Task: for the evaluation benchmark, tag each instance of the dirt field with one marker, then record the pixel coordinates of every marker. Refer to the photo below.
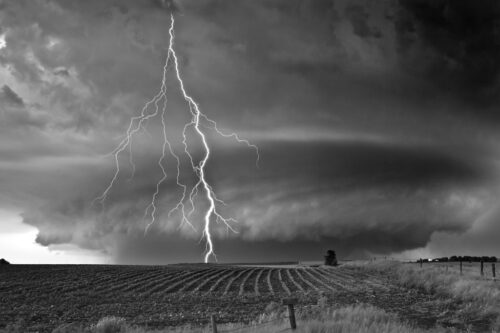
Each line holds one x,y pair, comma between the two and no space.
160,296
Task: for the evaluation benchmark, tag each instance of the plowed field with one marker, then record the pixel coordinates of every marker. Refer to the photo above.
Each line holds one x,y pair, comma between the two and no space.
160,296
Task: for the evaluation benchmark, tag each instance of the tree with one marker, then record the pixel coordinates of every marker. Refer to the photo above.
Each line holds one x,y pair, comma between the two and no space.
4,262
331,258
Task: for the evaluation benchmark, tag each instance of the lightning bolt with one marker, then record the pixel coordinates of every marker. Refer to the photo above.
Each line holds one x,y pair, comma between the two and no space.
199,122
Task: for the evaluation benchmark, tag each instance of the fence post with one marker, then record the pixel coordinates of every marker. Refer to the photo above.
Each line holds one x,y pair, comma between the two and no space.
482,267
291,312
493,270
214,324
460,267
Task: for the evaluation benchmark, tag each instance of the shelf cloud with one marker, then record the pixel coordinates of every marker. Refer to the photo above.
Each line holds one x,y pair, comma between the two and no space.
376,124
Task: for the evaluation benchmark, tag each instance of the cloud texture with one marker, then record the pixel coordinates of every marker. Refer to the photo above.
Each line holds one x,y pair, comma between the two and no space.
375,121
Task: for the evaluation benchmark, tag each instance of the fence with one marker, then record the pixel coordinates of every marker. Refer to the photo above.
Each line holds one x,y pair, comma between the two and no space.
289,302
461,267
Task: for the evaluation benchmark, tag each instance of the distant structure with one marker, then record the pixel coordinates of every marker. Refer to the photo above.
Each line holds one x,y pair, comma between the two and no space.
473,258
331,258
4,262
463,258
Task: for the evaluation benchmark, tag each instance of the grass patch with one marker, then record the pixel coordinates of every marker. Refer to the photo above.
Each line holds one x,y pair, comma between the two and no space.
479,297
313,319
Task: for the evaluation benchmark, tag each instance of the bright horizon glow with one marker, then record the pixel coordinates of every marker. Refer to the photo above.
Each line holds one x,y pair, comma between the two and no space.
3,43
18,246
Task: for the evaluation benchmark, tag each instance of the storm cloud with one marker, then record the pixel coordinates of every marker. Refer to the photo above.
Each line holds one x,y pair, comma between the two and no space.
375,123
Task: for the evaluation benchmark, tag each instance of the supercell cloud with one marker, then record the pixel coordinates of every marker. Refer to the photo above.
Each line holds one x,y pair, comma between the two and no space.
377,124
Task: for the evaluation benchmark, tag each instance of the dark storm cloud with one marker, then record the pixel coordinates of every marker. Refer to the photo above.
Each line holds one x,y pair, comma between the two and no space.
364,163
9,96
153,249
348,190
358,16
14,113
358,110
359,197
454,43
481,237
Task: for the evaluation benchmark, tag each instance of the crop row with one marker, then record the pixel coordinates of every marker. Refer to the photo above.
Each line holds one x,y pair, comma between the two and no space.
160,296
213,279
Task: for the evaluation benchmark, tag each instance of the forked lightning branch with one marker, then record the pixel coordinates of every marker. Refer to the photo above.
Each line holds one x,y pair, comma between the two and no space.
198,124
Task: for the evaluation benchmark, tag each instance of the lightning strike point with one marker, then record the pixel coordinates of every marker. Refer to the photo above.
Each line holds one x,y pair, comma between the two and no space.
198,121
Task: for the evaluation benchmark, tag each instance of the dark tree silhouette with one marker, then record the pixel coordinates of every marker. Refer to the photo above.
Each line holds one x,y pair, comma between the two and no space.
4,262
331,258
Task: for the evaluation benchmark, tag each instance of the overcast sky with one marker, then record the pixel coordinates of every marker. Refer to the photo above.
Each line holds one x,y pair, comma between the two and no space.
377,124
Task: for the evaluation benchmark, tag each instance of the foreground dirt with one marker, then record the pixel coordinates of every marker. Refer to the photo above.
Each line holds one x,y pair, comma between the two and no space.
40,298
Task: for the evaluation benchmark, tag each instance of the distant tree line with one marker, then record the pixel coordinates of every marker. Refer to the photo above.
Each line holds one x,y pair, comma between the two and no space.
464,259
